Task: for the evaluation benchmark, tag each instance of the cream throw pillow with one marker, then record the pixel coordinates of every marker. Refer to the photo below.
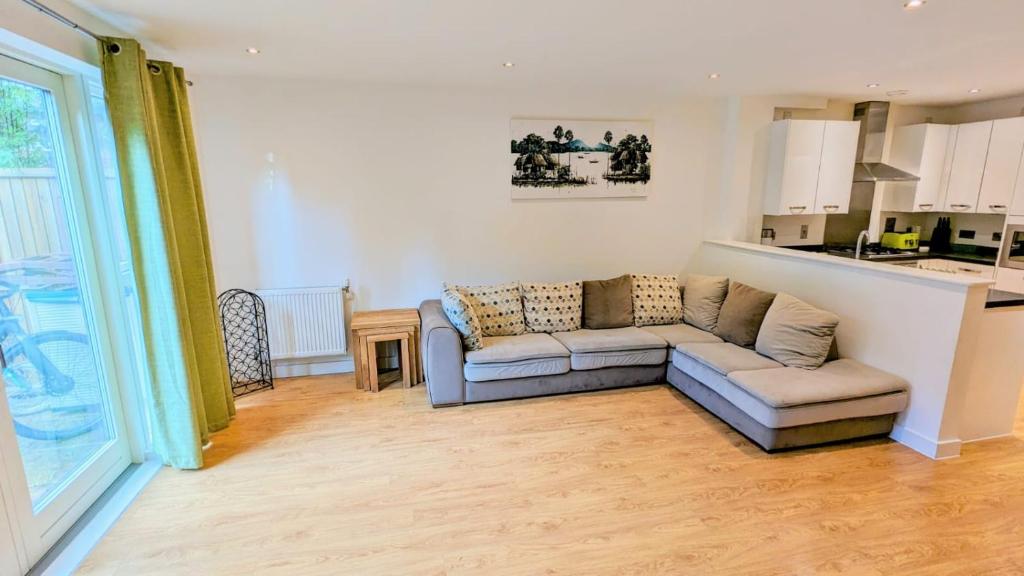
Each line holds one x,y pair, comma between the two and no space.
499,308
460,313
656,300
553,307
702,300
796,334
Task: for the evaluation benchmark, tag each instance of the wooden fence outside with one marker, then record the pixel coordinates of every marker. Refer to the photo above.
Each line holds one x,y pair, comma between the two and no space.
32,217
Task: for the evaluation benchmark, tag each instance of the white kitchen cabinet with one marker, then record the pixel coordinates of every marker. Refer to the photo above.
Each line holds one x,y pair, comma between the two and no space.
835,175
807,158
968,166
1017,206
1010,279
924,150
1001,166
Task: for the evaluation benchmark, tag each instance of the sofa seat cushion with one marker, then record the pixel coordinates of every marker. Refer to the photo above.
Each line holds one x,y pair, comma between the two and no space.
530,368
497,349
838,380
596,360
676,334
610,340
724,357
772,417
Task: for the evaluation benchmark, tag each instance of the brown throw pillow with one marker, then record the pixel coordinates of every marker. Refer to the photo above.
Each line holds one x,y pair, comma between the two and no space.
742,314
608,303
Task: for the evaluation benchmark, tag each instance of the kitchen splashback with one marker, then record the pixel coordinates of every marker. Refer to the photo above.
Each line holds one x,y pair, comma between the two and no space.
980,226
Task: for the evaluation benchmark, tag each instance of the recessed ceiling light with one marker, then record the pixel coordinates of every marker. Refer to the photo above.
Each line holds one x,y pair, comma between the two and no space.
714,76
253,51
912,4
874,85
509,64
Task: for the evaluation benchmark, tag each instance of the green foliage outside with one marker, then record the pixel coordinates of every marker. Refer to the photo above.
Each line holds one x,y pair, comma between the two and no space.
24,138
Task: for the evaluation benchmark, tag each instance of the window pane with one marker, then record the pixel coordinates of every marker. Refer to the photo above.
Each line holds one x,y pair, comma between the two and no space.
57,399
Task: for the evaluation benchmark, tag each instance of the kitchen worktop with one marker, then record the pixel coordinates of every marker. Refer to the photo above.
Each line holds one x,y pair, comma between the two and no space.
996,298
958,253
1003,299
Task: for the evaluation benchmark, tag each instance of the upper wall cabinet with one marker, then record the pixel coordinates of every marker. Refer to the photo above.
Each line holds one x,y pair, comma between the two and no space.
924,150
1001,166
968,166
810,167
835,175
1017,206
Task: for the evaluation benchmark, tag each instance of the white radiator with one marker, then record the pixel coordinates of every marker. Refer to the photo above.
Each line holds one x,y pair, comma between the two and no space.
305,322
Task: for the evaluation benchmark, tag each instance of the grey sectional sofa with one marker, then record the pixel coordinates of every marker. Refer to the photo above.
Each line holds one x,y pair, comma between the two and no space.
775,406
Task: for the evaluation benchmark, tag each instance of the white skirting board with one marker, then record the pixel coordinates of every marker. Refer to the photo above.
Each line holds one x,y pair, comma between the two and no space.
313,367
934,449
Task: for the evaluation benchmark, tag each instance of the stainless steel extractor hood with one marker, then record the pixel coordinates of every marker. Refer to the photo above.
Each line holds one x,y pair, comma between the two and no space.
873,118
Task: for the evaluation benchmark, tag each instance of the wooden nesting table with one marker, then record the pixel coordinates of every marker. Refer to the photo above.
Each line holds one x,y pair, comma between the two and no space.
370,327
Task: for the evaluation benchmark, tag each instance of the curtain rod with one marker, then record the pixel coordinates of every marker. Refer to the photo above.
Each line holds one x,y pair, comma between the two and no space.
60,18
68,22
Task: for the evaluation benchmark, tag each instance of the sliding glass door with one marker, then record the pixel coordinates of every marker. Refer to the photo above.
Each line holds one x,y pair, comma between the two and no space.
62,435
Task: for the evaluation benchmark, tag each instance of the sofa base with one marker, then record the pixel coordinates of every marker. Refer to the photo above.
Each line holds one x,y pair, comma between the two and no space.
773,439
572,381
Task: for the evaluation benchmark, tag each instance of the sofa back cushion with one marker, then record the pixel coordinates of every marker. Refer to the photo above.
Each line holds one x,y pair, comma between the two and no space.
460,313
796,334
499,308
553,307
702,300
608,303
656,300
742,314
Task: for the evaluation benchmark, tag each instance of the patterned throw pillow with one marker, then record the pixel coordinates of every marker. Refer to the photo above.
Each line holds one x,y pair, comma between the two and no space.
460,313
499,308
656,300
553,307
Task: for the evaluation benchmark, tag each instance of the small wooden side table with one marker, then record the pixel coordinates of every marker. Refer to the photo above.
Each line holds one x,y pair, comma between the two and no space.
370,327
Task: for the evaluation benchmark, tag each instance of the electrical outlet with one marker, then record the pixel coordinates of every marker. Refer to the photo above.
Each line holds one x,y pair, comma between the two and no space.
997,236
804,231
966,234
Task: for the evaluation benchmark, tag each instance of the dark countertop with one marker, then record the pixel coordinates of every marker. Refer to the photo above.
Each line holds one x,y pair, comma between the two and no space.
1003,299
970,254
961,257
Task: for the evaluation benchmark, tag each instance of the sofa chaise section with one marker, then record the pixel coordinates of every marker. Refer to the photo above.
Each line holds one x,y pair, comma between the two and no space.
779,407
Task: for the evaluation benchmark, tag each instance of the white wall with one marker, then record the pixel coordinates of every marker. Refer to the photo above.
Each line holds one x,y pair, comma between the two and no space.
312,182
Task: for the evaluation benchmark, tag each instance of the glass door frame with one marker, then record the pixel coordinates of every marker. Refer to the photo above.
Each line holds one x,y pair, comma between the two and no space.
73,83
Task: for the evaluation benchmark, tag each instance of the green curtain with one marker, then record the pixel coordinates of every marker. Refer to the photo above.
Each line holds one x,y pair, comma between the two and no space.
163,200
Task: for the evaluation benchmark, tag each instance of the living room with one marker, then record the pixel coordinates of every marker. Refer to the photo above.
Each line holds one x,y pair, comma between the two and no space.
716,388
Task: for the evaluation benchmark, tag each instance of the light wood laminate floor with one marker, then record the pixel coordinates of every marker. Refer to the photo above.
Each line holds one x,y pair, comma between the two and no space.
318,478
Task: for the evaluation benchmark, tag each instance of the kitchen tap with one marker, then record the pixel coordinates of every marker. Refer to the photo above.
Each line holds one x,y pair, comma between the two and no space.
860,239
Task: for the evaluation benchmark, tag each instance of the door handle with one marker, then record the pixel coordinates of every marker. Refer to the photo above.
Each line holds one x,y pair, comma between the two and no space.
797,209
831,207
926,207
959,207
997,207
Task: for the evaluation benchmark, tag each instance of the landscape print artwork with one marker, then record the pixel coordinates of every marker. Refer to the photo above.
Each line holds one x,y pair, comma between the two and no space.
581,158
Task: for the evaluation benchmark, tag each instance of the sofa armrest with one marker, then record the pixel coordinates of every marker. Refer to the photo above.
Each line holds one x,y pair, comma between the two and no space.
442,356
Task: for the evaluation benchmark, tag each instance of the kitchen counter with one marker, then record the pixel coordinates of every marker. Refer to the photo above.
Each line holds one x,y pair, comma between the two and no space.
987,256
911,256
962,257
1003,299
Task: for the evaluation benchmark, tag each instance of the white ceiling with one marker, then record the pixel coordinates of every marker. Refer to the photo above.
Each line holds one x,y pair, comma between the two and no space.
808,47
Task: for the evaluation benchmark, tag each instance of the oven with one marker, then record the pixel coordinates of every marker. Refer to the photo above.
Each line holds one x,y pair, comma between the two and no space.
1012,253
